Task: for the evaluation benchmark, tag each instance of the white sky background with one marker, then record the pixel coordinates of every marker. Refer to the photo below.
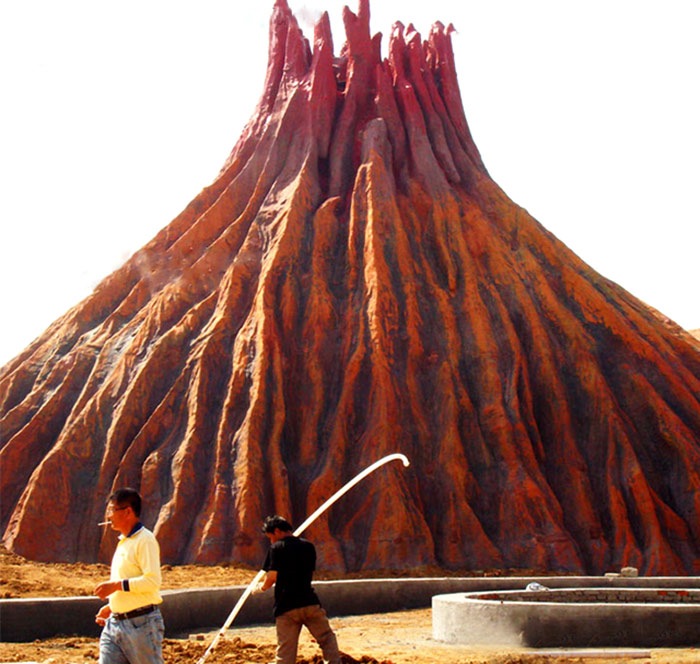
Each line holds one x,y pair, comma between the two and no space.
115,115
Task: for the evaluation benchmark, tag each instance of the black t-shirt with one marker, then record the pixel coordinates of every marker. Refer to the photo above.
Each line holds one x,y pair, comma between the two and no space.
294,560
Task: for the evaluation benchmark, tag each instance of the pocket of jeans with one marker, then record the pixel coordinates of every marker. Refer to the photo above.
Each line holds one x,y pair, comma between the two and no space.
140,621
152,622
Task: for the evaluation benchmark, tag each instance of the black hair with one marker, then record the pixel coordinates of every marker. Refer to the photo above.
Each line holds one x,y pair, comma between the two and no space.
275,522
127,498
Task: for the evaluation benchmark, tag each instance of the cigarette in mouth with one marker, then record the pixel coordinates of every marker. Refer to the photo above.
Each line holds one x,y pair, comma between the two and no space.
104,523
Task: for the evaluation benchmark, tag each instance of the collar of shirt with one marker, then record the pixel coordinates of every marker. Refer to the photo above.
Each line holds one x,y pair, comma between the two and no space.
134,530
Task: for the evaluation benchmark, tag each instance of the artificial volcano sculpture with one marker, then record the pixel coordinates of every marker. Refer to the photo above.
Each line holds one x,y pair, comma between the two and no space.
354,284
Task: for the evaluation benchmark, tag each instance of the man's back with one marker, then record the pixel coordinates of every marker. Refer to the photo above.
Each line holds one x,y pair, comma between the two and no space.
289,566
294,560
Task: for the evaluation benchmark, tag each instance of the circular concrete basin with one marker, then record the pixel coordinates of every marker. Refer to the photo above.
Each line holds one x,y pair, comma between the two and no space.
599,617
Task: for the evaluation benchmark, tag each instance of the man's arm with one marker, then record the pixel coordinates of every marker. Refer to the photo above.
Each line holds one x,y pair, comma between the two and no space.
268,580
148,556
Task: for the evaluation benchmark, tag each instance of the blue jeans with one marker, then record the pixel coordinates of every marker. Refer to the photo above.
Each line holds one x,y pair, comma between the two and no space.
133,641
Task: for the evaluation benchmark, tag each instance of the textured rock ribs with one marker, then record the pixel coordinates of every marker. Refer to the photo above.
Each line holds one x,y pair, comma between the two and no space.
353,284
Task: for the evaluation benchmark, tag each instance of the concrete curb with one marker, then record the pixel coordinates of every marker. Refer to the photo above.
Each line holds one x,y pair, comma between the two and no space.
574,617
188,610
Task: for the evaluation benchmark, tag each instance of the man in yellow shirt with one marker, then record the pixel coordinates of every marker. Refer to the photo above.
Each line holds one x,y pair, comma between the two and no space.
132,623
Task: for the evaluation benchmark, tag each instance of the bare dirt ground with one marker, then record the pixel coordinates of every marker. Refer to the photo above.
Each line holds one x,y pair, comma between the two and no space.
23,578
20,577
403,637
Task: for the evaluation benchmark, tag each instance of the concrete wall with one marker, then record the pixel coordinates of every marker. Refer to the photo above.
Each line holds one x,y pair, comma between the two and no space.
597,595
189,610
593,618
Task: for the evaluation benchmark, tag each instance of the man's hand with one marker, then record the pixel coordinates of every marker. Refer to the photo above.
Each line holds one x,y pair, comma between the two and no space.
102,615
106,588
267,582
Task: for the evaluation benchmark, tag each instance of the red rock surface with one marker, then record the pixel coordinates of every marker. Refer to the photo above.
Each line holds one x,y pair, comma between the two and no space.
352,284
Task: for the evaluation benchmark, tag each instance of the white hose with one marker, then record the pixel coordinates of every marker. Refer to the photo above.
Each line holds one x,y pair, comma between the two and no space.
246,593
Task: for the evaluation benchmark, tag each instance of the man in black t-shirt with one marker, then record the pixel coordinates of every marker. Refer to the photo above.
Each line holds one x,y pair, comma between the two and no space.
289,566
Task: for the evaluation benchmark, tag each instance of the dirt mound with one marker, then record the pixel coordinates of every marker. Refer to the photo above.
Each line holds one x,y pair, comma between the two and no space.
175,651
20,577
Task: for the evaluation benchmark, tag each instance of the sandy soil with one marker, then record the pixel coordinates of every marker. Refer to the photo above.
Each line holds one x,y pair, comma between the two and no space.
20,577
397,638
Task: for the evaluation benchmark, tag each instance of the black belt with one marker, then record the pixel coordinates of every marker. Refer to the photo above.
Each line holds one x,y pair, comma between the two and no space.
135,613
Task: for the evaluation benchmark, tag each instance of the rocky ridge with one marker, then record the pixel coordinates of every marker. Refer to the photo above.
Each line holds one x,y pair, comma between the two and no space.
352,284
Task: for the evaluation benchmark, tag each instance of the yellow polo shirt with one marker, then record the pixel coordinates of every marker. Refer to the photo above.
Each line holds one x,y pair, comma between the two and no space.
136,562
